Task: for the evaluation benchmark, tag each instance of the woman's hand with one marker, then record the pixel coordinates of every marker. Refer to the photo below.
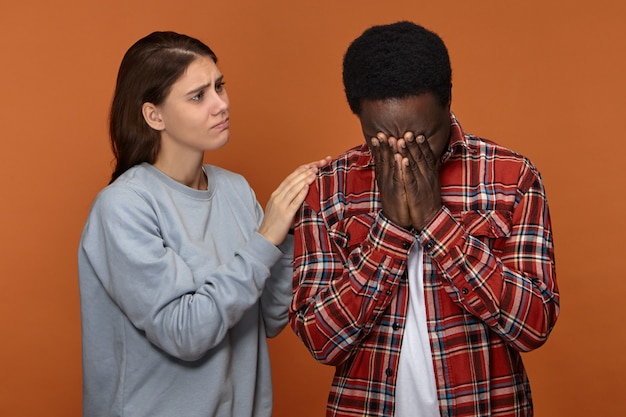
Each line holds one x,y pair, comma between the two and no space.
286,200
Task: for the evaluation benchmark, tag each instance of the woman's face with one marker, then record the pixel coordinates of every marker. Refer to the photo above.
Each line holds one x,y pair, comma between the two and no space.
194,116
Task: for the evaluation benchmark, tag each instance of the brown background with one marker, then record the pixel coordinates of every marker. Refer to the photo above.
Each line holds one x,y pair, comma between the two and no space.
544,78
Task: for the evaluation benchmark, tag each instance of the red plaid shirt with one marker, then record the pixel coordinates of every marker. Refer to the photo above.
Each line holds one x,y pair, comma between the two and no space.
489,281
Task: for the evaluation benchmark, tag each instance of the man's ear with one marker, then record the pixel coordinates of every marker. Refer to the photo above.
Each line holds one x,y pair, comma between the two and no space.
152,116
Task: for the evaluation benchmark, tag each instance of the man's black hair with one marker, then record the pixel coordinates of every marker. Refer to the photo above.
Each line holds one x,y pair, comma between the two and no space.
398,60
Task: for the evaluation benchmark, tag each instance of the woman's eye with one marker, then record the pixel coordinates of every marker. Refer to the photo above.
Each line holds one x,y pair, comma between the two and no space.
198,96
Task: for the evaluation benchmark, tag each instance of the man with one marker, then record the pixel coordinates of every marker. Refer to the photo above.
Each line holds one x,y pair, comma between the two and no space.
424,259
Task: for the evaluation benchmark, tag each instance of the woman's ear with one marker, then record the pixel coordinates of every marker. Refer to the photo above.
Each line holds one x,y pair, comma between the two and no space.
152,116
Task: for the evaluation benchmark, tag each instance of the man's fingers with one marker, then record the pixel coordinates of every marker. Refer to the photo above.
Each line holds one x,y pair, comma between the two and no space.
426,151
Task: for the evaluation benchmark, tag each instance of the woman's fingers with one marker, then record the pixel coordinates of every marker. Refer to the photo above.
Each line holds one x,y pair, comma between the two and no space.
307,171
286,200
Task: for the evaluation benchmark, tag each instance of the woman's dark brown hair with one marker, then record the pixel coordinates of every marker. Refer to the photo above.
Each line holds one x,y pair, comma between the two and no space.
146,74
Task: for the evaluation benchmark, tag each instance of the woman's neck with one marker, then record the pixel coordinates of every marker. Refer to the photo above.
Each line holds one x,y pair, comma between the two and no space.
191,175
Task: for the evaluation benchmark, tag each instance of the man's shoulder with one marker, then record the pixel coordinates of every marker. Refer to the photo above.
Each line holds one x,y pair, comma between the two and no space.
350,173
487,147
357,156
503,161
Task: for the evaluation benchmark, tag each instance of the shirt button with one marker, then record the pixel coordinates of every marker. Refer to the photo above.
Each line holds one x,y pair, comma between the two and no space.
388,292
406,245
389,371
465,291
396,326
429,245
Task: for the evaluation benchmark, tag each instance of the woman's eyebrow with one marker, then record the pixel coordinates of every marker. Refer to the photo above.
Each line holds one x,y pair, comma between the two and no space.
200,88
218,80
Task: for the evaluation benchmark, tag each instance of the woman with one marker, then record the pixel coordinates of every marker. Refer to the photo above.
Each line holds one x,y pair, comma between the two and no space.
182,275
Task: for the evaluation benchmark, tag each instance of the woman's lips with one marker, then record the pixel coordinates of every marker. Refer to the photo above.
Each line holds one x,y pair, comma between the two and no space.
222,125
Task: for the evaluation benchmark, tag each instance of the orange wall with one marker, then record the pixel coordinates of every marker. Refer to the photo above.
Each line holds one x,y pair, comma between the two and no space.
544,78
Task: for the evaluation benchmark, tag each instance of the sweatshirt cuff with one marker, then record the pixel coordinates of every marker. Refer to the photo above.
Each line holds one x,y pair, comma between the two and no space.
264,250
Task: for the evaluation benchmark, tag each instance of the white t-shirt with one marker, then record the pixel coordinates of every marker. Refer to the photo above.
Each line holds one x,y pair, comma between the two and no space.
416,389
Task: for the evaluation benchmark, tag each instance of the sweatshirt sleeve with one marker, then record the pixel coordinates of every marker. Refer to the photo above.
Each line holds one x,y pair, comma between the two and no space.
277,293
156,289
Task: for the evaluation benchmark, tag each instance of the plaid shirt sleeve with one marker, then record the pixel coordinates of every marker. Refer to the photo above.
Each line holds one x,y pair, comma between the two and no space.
511,286
344,279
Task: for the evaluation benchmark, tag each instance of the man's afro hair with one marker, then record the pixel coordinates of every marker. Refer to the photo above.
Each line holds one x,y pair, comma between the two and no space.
397,60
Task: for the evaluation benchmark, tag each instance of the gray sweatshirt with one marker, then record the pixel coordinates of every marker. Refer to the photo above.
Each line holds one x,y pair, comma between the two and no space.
178,294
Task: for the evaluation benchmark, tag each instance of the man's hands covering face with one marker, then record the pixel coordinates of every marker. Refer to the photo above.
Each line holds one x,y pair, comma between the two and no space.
407,173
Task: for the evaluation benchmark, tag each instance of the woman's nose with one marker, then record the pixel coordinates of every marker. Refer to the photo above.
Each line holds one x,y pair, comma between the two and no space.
221,103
